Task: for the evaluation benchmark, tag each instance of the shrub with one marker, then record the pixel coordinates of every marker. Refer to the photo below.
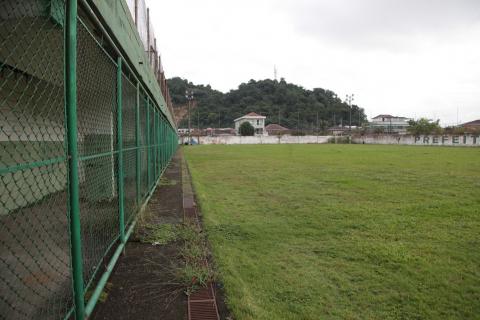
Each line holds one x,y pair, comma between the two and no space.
339,140
246,129
424,126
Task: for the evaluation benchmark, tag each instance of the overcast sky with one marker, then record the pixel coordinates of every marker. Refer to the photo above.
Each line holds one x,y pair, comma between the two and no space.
414,58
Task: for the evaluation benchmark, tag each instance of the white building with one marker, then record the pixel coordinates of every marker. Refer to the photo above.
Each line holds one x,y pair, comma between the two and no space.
183,131
256,120
390,124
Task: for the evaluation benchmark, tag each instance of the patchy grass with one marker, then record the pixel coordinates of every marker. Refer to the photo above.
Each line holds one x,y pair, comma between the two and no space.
159,234
193,272
343,231
166,182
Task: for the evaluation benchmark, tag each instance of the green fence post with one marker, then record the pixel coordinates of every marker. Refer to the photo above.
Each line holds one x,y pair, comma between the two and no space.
72,155
167,142
160,142
164,144
154,150
149,160
159,168
137,141
121,194
168,145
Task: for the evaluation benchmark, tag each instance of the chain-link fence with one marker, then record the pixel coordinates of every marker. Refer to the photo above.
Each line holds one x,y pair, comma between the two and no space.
124,142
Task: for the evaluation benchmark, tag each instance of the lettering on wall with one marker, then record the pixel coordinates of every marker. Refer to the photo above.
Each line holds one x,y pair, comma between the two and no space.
466,139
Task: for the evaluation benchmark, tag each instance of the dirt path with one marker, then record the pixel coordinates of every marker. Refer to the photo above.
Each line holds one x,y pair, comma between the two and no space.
141,286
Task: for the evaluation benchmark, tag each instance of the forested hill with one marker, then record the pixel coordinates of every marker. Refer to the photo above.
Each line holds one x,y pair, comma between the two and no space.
286,103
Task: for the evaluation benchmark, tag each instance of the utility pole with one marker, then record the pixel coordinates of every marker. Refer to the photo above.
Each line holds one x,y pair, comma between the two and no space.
189,96
298,121
349,100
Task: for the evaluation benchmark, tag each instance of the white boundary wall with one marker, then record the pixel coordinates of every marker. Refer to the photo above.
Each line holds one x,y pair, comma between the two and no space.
467,140
257,139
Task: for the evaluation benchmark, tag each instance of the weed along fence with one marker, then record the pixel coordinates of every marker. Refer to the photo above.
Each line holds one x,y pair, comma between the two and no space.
85,134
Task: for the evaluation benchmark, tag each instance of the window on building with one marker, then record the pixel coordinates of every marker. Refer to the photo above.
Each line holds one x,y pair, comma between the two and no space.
258,122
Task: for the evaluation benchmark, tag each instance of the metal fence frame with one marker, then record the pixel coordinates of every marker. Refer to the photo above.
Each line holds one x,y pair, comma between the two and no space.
155,143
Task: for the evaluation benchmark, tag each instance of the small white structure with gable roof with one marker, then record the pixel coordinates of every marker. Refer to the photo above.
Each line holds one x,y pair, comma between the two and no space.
256,120
390,124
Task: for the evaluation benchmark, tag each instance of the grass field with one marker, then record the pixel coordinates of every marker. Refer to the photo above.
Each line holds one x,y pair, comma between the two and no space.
343,231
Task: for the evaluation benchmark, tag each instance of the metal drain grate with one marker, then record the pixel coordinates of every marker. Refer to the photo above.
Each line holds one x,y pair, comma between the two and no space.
202,305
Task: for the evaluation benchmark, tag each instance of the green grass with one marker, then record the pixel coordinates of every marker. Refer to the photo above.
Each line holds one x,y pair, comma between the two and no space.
343,231
192,274
158,234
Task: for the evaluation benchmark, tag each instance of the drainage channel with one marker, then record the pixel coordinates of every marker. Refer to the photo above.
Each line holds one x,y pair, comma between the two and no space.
202,304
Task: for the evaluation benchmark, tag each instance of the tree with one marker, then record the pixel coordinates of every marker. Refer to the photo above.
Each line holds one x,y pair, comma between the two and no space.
246,129
424,126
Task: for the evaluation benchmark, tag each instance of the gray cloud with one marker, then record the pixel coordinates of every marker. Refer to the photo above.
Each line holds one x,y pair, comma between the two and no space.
381,22
413,58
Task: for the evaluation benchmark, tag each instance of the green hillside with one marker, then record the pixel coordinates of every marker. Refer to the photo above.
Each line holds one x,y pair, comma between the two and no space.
286,103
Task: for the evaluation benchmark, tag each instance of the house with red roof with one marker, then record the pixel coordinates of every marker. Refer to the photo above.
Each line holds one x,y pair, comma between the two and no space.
472,125
256,120
274,129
